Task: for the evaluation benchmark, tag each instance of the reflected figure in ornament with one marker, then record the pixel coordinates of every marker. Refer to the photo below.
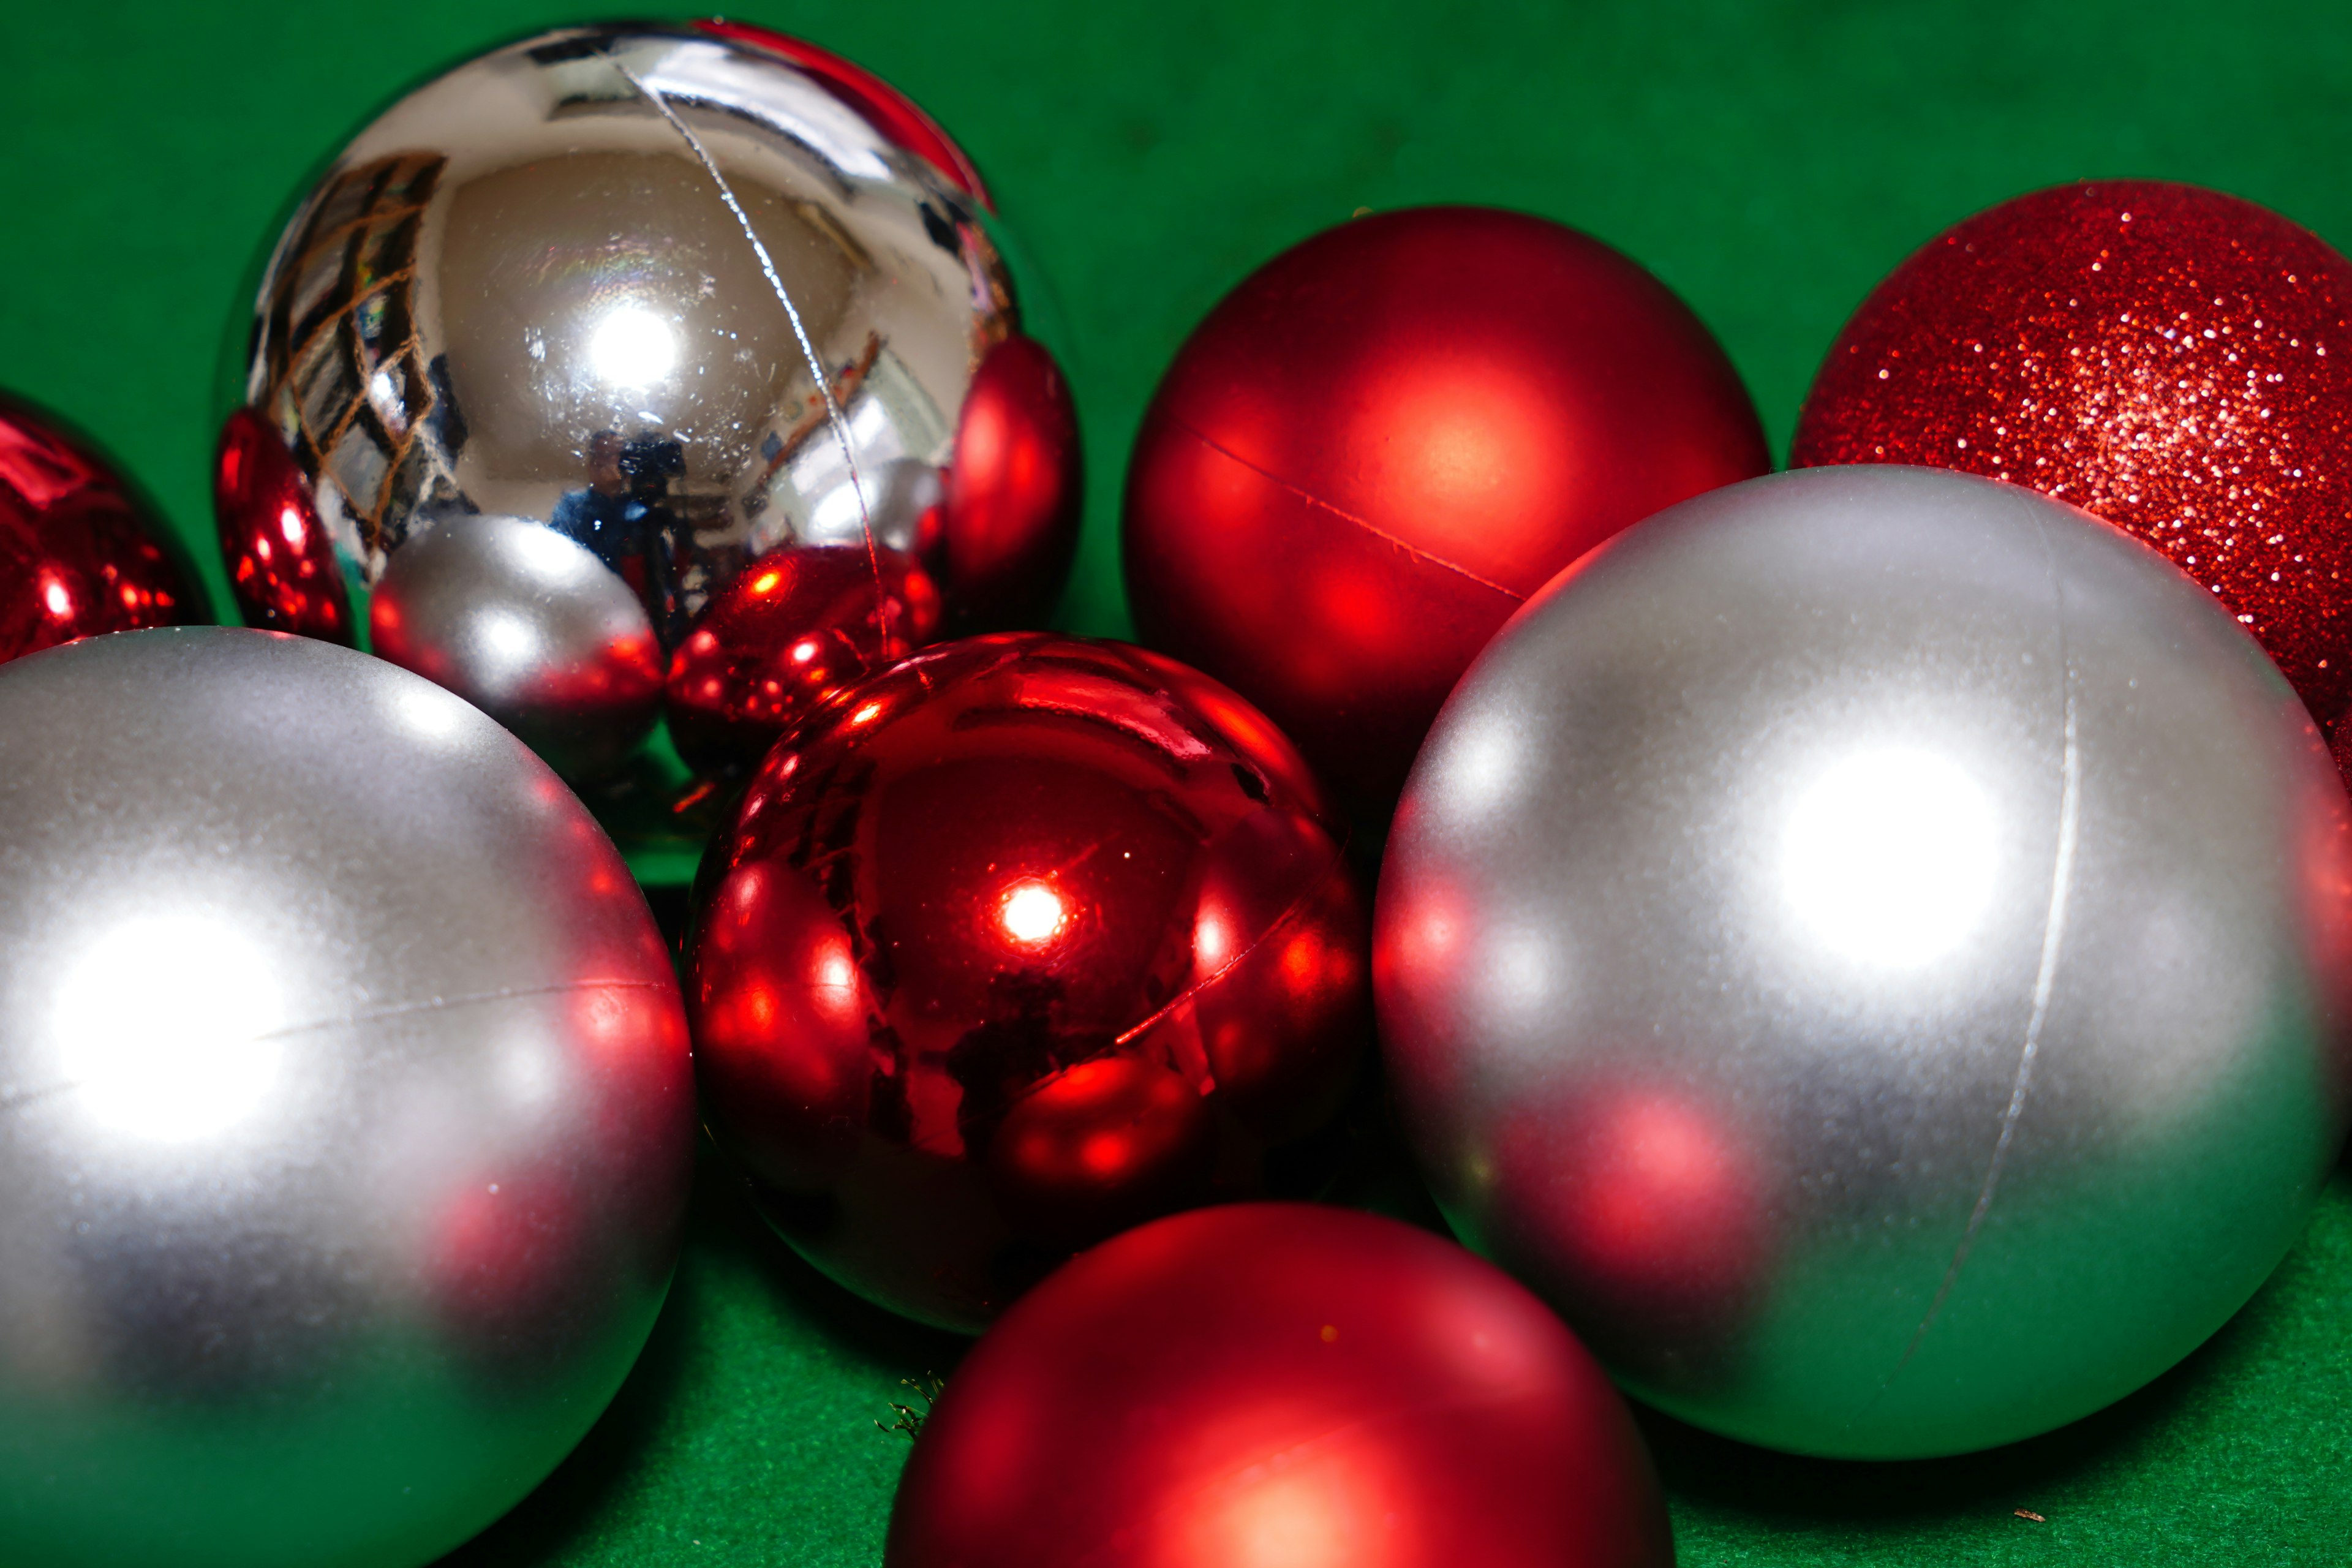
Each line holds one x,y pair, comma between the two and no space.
649,463
604,517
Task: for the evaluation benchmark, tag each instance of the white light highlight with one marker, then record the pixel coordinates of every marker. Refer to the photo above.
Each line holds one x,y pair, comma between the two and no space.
163,1024
631,347
1032,913
1888,857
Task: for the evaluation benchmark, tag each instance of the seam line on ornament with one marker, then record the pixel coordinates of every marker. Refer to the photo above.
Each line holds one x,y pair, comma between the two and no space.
2054,932
1290,912
833,418
442,1003
9,1104
26,1099
1311,499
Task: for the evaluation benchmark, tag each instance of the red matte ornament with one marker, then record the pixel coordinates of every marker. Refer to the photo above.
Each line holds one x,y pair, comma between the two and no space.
1020,942
793,629
1278,1384
1373,451
2175,360
79,555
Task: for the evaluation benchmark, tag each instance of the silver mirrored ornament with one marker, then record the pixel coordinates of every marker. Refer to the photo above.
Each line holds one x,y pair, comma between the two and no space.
589,282
1869,946
345,1109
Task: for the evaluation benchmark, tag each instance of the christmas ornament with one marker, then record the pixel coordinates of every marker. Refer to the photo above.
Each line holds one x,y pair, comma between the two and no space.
2175,360
1869,947
79,554
348,1109
1278,1382
1018,943
585,283
1379,444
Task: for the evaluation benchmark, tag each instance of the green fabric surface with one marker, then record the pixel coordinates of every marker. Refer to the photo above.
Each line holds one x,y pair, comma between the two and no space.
1769,160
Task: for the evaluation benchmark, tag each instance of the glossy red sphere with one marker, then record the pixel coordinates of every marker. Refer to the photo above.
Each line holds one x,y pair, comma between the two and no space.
1015,488
2175,360
892,111
1383,441
79,555
280,562
1020,942
1278,1384
794,629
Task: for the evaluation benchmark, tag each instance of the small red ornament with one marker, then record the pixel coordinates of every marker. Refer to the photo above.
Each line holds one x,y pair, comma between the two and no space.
1388,437
280,562
79,555
1278,1384
1015,488
891,111
794,629
2176,361
1022,941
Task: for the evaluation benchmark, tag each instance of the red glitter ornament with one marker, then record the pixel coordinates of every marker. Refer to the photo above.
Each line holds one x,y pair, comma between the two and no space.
79,555
1022,941
1278,1382
1388,437
2176,361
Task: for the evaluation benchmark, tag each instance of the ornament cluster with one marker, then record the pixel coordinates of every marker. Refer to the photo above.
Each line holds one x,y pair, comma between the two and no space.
1860,957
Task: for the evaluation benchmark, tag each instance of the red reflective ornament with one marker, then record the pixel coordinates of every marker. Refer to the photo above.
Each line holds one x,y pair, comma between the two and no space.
2176,361
1022,941
891,111
1265,1384
280,559
1015,489
794,628
1388,437
79,555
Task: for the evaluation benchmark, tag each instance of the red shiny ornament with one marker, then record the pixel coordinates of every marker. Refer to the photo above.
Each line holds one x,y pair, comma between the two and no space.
1015,489
79,555
891,111
280,562
1022,941
2176,361
1388,437
1265,1384
793,629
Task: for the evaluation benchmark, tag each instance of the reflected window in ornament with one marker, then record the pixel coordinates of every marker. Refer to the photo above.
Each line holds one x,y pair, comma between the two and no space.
1032,914
1888,857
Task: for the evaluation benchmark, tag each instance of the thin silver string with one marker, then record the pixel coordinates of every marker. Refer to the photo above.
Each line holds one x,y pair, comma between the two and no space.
840,426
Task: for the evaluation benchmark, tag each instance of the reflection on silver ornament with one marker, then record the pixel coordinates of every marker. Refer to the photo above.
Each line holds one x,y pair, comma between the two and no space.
684,299
345,1109
1869,946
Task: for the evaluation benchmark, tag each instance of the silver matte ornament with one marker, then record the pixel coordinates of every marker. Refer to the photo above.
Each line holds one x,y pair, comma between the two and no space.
587,283
345,1109
1868,946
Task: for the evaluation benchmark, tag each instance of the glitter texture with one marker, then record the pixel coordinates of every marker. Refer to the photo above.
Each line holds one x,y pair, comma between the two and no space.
2175,360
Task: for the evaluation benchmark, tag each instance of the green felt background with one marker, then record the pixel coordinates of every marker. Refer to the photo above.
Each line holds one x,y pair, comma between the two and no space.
1769,160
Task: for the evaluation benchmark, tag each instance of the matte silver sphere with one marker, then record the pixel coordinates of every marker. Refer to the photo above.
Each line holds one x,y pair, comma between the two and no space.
587,280
530,627
345,1109
1869,946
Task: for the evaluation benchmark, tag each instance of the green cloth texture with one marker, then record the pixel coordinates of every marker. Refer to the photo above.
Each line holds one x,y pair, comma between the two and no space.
1769,160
